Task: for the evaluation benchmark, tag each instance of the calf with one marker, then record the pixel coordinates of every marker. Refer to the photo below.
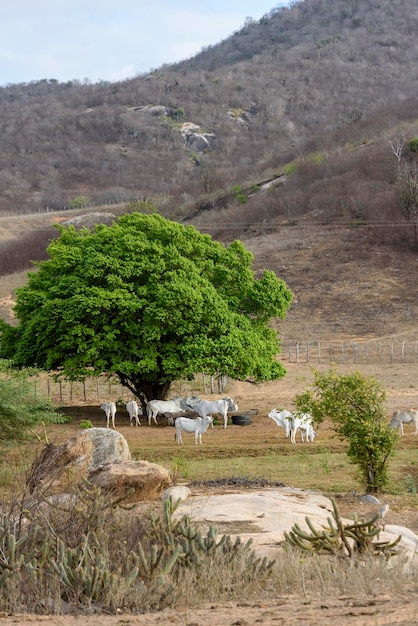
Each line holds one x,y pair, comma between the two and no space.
198,426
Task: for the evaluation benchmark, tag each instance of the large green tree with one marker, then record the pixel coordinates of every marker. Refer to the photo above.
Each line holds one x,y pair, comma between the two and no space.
151,301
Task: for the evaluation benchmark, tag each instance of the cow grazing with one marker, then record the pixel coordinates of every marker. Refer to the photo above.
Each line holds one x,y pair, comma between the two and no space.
110,410
154,407
197,425
216,407
405,416
283,419
134,411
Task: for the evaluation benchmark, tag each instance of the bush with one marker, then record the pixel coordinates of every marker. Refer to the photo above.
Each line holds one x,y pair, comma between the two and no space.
355,406
413,144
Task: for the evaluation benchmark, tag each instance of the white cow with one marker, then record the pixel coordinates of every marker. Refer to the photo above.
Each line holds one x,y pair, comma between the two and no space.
186,403
110,410
134,411
216,407
198,426
302,422
283,419
405,416
162,406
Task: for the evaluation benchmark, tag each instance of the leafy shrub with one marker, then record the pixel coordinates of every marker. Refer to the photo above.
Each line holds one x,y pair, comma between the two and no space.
413,144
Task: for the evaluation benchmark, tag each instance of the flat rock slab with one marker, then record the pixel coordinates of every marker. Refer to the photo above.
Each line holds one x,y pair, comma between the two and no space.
264,516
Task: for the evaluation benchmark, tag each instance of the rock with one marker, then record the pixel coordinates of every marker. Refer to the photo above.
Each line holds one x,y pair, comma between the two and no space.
195,139
60,467
89,220
178,492
157,110
369,499
101,456
147,480
269,513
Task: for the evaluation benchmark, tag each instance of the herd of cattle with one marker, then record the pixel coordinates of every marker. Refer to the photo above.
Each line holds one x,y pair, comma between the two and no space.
292,422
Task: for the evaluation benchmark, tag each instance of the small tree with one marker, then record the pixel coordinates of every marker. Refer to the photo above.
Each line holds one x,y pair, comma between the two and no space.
354,404
21,407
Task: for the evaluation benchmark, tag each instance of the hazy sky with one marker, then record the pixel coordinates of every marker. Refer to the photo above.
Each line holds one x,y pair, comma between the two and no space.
112,39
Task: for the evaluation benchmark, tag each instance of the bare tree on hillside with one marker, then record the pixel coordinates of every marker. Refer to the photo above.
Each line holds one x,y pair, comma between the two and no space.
407,195
397,144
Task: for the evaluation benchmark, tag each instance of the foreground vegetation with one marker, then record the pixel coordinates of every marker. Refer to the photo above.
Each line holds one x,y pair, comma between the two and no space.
61,556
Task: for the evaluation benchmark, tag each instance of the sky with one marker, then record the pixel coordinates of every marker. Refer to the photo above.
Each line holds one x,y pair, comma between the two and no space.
111,40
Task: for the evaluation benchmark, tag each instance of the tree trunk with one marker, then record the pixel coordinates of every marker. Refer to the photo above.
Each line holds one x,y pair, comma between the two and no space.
145,390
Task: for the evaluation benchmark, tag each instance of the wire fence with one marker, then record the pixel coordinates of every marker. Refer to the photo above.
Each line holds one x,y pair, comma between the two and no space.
94,391
100,389
349,352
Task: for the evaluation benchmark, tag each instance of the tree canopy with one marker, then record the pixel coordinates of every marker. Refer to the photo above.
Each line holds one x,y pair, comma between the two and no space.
151,301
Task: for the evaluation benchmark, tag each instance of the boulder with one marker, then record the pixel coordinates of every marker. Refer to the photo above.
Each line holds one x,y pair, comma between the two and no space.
264,516
195,139
89,220
147,480
178,492
101,456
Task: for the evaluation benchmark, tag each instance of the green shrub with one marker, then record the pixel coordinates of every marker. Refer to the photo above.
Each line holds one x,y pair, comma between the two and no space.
413,144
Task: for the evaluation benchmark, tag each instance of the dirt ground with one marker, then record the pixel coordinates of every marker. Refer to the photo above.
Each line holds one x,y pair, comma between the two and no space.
401,382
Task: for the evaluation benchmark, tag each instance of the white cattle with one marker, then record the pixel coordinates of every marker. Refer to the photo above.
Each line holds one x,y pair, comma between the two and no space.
110,410
405,416
283,419
302,422
197,425
216,407
134,411
186,403
154,407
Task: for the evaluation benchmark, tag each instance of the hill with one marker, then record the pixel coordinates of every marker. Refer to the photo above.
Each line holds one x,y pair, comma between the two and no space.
292,135
310,77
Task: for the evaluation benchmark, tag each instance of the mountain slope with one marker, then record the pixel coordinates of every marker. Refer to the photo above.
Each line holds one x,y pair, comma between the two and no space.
317,74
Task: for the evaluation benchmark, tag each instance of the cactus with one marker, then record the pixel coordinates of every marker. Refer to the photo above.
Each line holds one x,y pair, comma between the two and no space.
340,540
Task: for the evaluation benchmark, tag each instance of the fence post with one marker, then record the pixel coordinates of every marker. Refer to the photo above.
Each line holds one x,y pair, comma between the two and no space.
403,351
297,352
355,352
307,352
319,351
